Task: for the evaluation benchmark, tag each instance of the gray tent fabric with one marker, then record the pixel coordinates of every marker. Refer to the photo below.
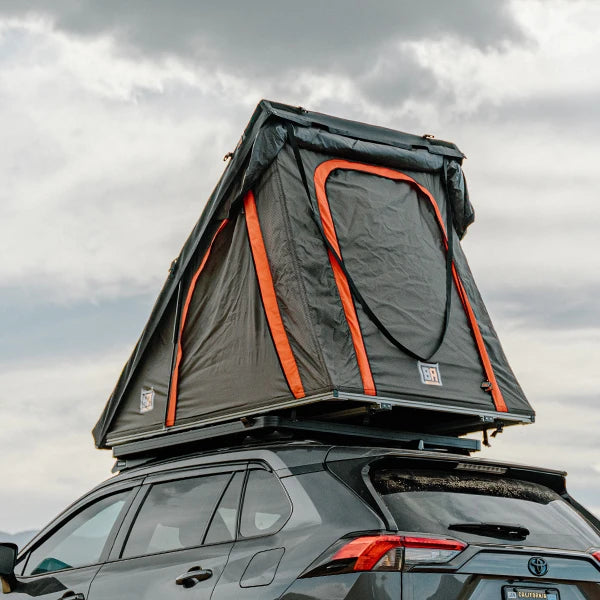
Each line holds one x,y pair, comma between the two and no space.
258,315
391,244
228,354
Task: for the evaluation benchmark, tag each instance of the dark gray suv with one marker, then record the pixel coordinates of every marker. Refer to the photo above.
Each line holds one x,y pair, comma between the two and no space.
302,520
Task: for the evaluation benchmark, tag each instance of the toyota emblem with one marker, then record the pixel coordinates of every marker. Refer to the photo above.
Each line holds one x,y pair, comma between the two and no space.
538,566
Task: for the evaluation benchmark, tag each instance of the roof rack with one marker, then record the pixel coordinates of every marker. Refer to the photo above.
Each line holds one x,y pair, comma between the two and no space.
273,428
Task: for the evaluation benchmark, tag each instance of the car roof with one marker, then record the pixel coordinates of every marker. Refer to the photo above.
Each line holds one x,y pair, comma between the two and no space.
289,458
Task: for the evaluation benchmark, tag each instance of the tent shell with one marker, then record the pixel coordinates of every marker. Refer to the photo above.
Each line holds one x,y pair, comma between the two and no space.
346,144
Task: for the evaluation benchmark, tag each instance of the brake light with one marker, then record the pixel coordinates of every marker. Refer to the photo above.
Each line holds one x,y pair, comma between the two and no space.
367,551
385,553
596,555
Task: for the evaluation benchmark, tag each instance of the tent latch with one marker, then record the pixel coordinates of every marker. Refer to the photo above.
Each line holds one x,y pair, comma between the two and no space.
486,386
499,429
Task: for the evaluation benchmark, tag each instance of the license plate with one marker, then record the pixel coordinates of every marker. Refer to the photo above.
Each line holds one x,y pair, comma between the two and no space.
523,593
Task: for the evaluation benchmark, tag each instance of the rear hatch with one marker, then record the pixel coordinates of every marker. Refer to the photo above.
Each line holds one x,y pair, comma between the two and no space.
466,529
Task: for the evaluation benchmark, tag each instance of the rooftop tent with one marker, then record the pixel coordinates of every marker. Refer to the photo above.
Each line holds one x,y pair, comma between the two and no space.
326,276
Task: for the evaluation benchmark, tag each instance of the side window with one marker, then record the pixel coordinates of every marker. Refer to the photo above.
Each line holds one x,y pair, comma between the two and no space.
224,522
175,515
80,541
266,505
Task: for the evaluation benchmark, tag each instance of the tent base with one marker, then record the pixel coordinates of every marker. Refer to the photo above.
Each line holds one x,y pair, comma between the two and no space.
273,428
483,416
336,406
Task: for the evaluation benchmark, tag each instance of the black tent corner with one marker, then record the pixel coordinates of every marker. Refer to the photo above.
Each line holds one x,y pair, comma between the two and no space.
323,277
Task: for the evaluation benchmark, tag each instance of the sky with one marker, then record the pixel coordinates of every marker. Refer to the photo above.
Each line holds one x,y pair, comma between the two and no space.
115,118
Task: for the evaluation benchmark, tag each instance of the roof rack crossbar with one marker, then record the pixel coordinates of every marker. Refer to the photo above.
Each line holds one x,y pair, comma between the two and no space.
255,427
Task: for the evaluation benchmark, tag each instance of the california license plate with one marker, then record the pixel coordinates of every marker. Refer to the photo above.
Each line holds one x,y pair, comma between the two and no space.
524,593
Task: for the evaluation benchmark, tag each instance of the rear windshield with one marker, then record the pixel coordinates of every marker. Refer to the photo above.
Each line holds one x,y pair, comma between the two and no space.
482,508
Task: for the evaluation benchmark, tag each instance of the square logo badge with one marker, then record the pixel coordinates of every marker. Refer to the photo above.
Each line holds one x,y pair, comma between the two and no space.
430,373
146,400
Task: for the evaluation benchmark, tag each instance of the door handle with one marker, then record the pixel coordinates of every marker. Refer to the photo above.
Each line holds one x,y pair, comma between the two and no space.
71,595
193,576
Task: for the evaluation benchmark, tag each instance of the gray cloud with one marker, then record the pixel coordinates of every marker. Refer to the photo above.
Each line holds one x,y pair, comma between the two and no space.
394,77
584,401
548,306
34,329
575,442
48,407
273,41
267,32
568,114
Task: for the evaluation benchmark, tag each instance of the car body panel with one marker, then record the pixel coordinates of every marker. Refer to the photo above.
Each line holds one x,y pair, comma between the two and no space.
316,523
153,577
51,586
332,498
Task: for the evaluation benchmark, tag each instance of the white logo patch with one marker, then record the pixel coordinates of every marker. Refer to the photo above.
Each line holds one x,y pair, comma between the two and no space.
146,400
430,373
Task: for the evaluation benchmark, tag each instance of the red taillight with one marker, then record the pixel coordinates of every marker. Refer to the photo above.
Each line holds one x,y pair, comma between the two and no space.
596,555
368,550
434,543
379,552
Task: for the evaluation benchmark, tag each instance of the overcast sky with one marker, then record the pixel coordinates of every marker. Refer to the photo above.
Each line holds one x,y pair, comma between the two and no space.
115,117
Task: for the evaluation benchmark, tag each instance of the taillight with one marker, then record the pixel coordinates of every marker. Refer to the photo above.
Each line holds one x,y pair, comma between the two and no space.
385,553
431,550
596,555
368,551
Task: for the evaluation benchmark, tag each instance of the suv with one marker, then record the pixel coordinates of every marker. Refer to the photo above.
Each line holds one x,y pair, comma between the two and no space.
303,520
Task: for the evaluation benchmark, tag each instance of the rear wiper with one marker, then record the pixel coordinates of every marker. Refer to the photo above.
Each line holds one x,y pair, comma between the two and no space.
496,530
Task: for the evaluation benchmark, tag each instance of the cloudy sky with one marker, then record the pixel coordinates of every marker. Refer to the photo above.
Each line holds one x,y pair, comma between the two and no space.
115,117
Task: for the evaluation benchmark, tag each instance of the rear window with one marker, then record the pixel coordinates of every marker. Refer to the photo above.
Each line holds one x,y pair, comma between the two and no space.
482,508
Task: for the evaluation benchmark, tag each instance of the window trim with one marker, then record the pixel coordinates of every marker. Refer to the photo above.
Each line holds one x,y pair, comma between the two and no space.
239,509
132,487
118,549
126,524
193,472
241,537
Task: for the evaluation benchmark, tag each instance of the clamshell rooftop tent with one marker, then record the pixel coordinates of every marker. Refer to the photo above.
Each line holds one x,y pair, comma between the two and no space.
324,276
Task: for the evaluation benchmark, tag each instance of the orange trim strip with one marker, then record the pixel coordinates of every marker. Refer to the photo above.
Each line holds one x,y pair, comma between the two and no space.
362,359
172,402
267,292
322,173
